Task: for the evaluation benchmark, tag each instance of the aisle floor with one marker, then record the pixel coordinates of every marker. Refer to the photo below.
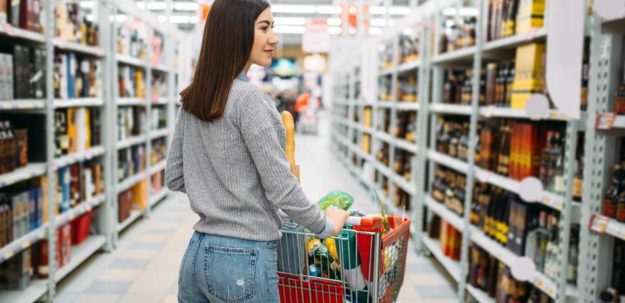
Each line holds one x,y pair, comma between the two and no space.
145,266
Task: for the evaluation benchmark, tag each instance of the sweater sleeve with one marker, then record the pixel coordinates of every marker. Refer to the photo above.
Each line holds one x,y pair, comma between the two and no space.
174,177
259,124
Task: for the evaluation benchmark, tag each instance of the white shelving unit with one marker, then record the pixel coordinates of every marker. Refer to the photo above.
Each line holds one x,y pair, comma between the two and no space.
104,205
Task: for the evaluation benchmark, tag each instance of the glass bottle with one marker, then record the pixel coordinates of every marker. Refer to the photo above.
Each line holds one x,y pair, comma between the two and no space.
611,196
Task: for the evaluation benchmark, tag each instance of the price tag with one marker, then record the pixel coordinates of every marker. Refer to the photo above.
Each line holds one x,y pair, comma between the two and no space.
605,121
41,234
531,34
26,244
88,208
8,29
9,105
9,254
599,224
539,283
619,122
487,111
551,292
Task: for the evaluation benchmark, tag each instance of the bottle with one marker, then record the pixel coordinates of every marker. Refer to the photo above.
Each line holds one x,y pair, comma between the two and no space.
620,203
619,101
504,150
578,181
545,160
463,148
571,269
508,85
12,146
611,196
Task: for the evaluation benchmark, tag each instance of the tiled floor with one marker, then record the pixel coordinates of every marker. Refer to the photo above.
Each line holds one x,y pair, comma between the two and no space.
145,266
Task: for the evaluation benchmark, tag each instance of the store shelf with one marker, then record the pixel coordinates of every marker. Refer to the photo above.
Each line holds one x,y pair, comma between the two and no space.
408,187
409,66
28,172
442,211
32,293
452,267
79,157
135,214
78,102
79,210
384,137
504,112
80,253
507,257
160,196
514,41
160,68
363,129
21,104
162,101
385,104
439,158
479,295
406,106
610,122
387,72
463,54
452,109
159,133
130,142
608,226
131,181
78,48
131,102
406,145
8,30
158,167
24,242
129,60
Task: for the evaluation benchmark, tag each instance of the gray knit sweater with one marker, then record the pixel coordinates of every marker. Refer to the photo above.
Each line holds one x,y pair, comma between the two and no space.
235,171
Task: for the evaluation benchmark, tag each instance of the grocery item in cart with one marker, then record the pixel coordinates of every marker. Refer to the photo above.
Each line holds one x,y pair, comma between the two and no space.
337,199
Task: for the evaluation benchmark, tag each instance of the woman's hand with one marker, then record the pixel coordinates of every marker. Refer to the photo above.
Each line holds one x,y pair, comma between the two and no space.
337,217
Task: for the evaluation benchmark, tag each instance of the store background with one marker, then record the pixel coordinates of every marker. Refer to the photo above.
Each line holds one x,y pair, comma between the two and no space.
389,89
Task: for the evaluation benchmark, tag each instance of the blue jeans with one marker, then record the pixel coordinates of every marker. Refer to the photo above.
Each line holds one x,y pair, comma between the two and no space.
218,269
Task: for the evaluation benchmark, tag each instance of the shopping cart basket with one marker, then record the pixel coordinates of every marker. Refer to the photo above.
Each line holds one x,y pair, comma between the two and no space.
360,265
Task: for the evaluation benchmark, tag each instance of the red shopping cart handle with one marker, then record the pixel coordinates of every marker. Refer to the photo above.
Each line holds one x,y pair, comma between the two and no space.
371,221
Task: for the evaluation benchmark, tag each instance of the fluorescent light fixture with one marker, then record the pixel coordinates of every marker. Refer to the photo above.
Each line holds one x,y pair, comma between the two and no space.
141,4
399,10
289,21
162,18
393,10
378,22
293,9
375,31
195,19
352,30
285,29
86,4
334,30
157,6
90,18
329,9
464,11
186,6
120,18
408,32
334,21
179,19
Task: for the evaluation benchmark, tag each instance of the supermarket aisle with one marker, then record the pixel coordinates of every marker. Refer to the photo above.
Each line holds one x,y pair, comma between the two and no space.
145,266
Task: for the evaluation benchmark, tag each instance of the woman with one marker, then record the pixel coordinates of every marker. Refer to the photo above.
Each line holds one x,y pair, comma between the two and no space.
227,155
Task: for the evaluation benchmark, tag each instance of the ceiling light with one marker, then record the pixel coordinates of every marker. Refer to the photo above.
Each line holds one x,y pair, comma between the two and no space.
195,19
293,9
393,10
375,31
157,6
141,4
334,21
179,19
186,6
464,11
284,29
289,21
86,4
334,30
162,19
378,22
329,9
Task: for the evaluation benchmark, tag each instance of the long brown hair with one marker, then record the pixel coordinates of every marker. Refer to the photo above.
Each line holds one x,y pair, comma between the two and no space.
226,48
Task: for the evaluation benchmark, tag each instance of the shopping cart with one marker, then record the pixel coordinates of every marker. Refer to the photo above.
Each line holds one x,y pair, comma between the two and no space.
362,264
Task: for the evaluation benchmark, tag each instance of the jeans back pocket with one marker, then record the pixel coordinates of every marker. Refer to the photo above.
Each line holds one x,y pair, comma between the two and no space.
230,272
